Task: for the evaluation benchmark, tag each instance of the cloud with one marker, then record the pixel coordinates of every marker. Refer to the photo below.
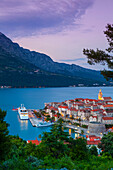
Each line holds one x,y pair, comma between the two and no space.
31,16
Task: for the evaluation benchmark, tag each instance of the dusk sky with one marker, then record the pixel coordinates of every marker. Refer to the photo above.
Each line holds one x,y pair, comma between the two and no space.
58,28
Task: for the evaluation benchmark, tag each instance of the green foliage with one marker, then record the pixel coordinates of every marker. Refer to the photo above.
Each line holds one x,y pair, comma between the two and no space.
5,143
53,142
56,151
108,126
14,71
17,164
30,149
103,57
78,149
35,162
93,151
107,143
76,124
37,114
84,126
82,132
17,147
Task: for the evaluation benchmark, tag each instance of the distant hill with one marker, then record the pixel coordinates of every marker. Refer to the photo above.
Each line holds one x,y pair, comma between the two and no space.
22,67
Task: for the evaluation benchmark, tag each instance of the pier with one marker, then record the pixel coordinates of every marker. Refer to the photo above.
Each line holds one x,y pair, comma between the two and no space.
33,119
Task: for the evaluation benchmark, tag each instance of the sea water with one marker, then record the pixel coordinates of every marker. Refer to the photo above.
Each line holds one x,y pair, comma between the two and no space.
34,98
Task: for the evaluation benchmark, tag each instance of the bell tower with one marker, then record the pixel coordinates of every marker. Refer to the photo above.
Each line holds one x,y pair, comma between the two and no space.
100,95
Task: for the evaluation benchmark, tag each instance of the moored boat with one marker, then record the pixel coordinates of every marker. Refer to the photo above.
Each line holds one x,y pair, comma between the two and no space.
43,124
23,113
15,109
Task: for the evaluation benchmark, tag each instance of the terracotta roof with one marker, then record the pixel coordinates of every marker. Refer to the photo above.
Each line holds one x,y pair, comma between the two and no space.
109,101
93,137
65,107
94,117
91,99
78,99
87,109
95,110
107,118
103,114
55,115
108,105
93,142
99,103
73,109
71,100
54,108
36,142
107,97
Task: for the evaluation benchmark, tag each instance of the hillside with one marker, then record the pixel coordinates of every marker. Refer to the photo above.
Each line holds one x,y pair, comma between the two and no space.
22,67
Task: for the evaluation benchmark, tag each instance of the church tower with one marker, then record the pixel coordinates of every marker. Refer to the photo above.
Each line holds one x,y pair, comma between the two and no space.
100,95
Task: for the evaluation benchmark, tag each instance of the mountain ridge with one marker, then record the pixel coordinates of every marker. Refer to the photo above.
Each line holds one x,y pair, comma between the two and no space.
46,66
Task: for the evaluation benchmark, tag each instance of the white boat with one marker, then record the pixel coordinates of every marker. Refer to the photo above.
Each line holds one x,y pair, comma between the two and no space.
23,113
43,124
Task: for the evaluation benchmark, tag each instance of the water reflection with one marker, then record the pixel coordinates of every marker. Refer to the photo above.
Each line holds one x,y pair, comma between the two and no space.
23,124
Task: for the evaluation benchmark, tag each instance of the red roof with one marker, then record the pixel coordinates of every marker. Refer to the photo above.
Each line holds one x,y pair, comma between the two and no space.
99,103
91,100
78,99
109,101
95,110
71,100
54,108
73,109
107,118
94,117
93,137
36,142
107,97
65,107
108,105
93,142
55,115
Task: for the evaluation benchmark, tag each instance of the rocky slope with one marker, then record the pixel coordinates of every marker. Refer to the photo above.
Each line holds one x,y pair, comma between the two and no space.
17,60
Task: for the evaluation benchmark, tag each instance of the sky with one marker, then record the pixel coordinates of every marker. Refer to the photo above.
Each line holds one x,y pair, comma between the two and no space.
58,28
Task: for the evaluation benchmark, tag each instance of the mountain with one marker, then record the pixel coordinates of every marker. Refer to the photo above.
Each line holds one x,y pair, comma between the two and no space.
22,67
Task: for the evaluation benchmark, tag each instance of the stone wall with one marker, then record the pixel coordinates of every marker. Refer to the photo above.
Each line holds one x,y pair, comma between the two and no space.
96,127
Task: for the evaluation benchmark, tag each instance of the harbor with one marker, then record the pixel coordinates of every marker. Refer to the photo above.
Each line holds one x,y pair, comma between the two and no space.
30,114
34,99
84,116
32,118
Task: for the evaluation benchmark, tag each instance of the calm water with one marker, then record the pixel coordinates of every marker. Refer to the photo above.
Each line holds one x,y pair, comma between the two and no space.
35,99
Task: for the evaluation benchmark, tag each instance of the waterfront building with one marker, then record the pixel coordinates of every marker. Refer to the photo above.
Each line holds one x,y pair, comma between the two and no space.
107,106
62,110
93,119
93,140
107,98
93,112
107,120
